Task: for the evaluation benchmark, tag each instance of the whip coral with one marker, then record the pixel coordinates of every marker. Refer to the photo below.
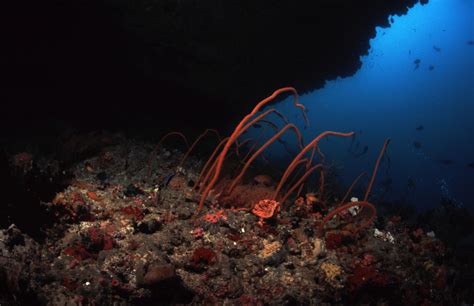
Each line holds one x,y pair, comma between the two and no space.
363,203
241,127
269,198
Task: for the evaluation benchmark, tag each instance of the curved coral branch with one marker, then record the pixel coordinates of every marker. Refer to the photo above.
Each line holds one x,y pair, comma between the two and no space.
181,135
372,179
300,182
196,142
254,145
346,206
238,131
263,147
246,127
352,187
211,158
174,133
293,164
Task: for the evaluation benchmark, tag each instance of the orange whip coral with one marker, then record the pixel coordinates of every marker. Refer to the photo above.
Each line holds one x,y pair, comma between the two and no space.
363,203
174,133
238,131
382,152
347,206
255,155
196,142
293,164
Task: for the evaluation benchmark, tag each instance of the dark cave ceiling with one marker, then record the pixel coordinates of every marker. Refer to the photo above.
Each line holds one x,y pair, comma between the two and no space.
173,63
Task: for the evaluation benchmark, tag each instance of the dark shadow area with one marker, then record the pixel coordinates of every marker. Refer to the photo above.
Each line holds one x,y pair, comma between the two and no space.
171,64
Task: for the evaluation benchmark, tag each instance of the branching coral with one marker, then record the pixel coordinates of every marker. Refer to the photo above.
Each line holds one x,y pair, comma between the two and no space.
267,199
241,127
363,203
263,147
196,142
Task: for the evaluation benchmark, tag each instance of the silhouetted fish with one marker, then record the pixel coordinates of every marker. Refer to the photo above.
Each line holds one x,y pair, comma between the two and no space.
431,68
411,184
470,42
437,49
446,161
417,144
366,148
470,165
417,63
420,128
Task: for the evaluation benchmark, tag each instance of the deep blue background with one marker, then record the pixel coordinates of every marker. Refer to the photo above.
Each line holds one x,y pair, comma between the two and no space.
390,96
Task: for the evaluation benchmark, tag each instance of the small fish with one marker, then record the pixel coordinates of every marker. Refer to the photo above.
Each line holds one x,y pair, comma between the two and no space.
366,148
437,49
411,183
471,165
431,68
446,161
417,63
470,42
417,144
420,128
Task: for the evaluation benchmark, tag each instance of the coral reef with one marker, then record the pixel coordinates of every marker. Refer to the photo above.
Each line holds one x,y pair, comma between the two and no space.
143,223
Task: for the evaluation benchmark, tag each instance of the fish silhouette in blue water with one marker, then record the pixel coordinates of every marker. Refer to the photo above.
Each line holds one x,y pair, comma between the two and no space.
354,149
420,128
364,151
437,49
446,162
417,63
471,165
470,42
411,184
417,144
431,67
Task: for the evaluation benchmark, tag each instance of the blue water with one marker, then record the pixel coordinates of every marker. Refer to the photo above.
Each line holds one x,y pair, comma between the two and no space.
391,95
